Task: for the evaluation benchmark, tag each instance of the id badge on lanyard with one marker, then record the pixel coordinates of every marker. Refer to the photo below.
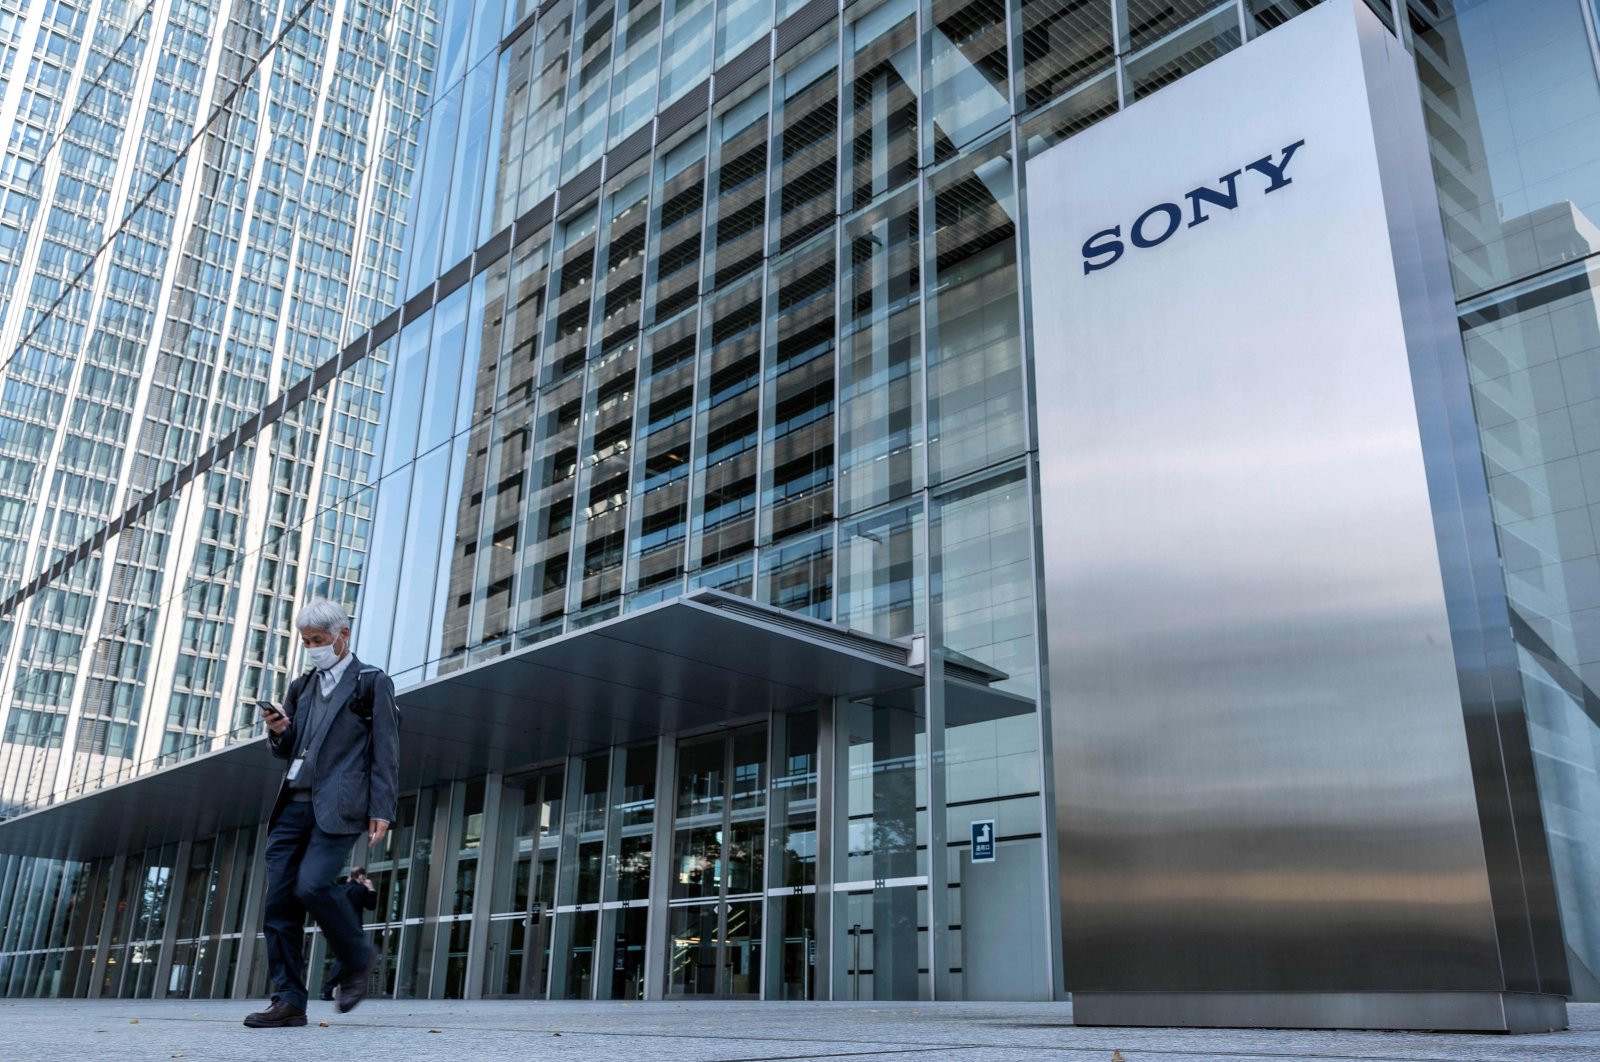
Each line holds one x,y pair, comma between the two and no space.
294,768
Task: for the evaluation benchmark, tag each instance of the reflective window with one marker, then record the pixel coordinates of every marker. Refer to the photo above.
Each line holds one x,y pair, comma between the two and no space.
546,107
678,205
633,83
402,410
603,487
492,488
686,51
1087,104
982,546
431,498
634,808
583,848
719,837
797,575
1143,22
881,558
878,836
557,426
1513,108
547,522
660,506
798,422
1512,97
881,118
589,96
374,620
805,142
880,372
975,402
488,18
518,367
728,426
794,848
1170,58
513,103
739,24
505,489
461,229
1063,43
697,850
427,228
736,214
967,81
1269,14
441,393
452,33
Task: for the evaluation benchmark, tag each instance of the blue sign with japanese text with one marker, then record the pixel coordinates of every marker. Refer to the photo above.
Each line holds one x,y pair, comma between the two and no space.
983,841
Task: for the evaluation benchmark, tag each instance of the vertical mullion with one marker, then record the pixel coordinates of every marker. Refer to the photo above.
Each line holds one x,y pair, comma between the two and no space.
721,981
605,936
658,921
938,956
483,898
1045,730
771,940
1117,19
1589,27
566,868
441,865
769,296
822,898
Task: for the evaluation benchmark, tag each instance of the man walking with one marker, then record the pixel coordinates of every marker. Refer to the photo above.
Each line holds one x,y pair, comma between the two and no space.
340,731
363,897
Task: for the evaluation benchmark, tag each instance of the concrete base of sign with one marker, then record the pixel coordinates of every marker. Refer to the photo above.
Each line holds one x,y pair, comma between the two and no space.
1505,1012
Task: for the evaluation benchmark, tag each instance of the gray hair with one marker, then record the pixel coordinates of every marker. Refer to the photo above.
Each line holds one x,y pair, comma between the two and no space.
320,614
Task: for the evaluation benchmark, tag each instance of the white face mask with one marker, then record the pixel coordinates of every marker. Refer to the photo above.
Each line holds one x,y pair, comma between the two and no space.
321,657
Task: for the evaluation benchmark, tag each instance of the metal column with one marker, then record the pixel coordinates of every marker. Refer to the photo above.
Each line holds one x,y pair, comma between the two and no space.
939,980
655,956
488,853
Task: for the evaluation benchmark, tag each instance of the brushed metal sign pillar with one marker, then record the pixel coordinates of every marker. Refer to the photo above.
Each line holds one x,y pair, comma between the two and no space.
1291,773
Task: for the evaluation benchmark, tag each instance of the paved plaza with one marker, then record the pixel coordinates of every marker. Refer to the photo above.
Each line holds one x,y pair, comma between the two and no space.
128,1030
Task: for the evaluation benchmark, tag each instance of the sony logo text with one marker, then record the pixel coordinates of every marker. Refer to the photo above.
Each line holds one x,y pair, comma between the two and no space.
1162,221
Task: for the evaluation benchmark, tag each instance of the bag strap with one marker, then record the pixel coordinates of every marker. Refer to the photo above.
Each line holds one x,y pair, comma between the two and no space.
296,686
366,686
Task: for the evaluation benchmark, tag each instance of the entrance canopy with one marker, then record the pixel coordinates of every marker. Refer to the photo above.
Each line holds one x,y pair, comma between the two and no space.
693,662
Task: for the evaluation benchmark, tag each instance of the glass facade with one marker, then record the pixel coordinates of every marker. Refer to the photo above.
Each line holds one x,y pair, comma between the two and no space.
499,320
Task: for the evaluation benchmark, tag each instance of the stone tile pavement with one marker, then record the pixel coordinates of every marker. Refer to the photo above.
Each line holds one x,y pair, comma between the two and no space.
416,1031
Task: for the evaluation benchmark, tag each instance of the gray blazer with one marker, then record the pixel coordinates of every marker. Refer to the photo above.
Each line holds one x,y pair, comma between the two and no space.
357,773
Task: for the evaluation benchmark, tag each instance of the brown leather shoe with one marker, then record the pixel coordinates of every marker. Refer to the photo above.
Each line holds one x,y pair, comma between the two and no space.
278,1016
353,987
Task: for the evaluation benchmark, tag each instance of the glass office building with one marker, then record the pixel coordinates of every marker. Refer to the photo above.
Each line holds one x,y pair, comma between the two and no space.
652,381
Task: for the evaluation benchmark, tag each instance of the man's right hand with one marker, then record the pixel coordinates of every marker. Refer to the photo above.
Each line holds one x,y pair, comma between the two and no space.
276,721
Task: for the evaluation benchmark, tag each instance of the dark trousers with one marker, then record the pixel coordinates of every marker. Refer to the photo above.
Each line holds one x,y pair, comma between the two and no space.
302,862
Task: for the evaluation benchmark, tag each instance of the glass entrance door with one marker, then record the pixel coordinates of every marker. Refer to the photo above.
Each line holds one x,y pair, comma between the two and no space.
718,837
523,896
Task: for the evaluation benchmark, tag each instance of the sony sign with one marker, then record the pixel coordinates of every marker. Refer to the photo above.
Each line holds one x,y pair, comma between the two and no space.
1162,221
1265,540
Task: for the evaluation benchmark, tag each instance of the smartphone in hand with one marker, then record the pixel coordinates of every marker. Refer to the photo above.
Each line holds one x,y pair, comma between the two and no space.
269,710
